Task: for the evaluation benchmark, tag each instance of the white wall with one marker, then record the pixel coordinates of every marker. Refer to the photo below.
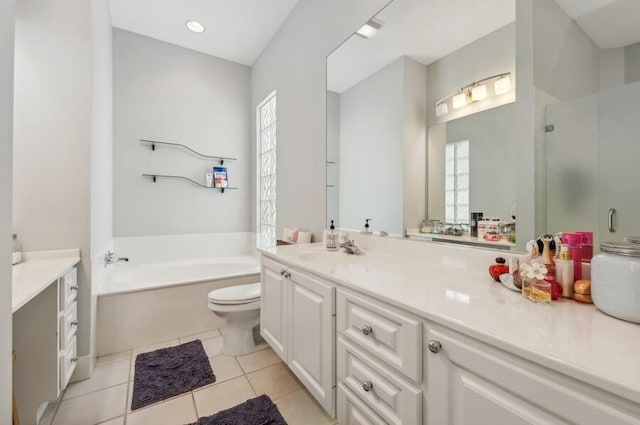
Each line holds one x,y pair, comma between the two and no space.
101,198
372,151
414,166
490,55
53,135
7,10
294,64
333,155
170,93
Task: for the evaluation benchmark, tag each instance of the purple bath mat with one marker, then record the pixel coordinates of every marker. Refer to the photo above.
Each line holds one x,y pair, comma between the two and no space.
167,372
256,411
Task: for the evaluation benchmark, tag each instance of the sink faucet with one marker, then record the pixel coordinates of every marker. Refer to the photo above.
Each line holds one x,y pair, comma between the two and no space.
351,248
110,258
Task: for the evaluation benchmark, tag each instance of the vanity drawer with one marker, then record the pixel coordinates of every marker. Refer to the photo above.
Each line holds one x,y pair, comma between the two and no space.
68,289
68,326
391,396
68,362
352,411
385,331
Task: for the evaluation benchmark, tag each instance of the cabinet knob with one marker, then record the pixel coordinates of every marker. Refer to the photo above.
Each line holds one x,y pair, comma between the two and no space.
74,288
283,272
367,385
73,360
366,329
434,346
72,324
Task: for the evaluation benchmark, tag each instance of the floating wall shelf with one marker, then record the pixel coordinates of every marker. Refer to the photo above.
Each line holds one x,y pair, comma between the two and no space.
166,176
155,143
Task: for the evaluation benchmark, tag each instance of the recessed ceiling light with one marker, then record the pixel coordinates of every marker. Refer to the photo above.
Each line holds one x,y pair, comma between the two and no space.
195,26
369,29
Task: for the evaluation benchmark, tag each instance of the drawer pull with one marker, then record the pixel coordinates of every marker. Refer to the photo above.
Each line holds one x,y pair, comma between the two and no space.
74,287
72,324
287,275
366,329
367,385
73,360
434,346
282,272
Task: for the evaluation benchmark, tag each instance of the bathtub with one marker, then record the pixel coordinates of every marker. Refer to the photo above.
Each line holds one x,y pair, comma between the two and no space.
145,304
130,278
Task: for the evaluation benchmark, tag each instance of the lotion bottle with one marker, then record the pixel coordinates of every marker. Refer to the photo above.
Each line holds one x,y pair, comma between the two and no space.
564,271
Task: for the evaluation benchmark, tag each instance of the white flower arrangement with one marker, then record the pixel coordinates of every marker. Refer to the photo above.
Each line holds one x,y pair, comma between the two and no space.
535,270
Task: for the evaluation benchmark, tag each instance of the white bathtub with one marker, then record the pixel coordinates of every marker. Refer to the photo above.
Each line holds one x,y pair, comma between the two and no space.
150,303
128,277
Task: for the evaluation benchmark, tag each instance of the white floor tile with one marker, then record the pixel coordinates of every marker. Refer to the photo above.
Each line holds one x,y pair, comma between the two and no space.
258,360
225,368
110,358
116,421
200,336
275,381
178,410
104,376
92,408
299,408
213,346
223,396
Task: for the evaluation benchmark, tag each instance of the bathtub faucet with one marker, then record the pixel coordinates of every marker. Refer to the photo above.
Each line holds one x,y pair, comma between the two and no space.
110,258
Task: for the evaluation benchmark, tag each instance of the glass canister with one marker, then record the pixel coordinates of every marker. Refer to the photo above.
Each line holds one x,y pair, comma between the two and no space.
615,280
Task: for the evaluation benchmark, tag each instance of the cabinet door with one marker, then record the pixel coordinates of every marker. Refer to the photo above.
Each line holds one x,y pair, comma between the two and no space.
312,343
471,383
273,309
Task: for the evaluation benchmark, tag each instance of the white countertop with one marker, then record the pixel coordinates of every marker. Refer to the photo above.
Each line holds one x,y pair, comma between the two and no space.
450,285
462,239
39,270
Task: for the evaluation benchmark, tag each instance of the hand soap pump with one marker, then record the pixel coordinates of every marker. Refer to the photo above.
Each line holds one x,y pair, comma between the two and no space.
366,230
332,238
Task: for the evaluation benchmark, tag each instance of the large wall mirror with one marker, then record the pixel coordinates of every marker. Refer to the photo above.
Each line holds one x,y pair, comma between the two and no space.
425,119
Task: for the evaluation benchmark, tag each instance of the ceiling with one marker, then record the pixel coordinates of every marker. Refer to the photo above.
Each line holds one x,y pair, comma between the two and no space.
236,30
609,23
424,30
428,30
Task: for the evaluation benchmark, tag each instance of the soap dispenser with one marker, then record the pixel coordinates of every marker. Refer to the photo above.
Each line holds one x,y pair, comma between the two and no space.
332,238
367,230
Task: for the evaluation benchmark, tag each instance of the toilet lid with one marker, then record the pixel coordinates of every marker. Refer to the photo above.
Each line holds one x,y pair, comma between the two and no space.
239,294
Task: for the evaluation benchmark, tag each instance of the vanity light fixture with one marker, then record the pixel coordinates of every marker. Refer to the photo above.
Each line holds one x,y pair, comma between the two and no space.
459,100
502,85
195,26
479,92
442,109
369,29
474,92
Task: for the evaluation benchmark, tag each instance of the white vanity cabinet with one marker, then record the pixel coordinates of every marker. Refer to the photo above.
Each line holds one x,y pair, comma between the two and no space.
379,362
297,320
472,383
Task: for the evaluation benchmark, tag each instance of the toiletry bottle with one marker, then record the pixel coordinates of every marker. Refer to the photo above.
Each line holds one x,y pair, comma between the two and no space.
332,238
500,267
16,250
564,271
574,240
366,230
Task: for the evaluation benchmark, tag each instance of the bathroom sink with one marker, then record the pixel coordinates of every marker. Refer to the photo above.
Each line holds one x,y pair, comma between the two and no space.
329,258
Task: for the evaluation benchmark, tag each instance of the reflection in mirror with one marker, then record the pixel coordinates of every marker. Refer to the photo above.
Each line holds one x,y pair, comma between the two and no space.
587,80
421,118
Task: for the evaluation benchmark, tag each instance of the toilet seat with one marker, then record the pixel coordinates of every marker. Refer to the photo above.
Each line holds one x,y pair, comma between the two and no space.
234,295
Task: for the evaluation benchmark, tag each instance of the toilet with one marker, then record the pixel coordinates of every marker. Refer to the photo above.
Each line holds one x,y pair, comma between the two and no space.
240,307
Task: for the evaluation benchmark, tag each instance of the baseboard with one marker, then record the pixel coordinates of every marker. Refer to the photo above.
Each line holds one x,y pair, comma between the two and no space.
83,369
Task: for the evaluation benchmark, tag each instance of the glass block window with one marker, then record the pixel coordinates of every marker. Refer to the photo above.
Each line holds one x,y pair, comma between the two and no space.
266,114
457,182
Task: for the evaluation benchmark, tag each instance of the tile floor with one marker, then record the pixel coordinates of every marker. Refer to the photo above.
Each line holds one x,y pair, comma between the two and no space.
106,398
